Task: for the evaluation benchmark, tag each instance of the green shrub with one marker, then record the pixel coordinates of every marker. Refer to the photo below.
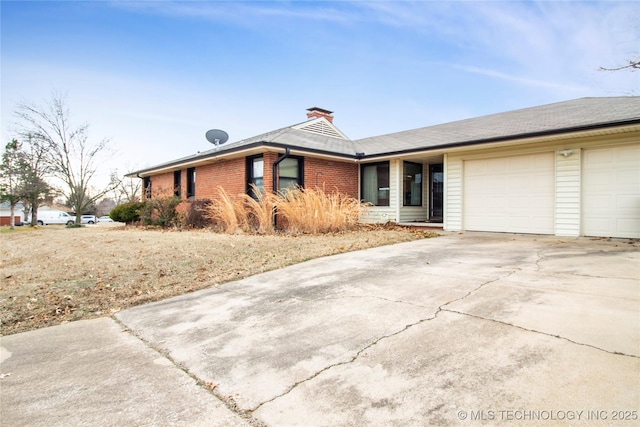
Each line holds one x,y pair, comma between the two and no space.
127,212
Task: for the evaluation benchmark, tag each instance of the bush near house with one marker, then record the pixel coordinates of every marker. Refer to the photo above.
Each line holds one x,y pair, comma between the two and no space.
160,211
194,215
127,212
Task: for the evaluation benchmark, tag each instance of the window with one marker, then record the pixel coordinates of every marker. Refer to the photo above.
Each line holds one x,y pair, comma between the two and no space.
255,174
191,183
412,184
375,183
177,178
146,182
290,173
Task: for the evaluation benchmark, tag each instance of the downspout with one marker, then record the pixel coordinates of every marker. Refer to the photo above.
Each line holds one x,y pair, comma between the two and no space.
287,153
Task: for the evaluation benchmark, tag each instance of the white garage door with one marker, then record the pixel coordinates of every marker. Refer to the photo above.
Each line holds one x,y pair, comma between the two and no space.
510,194
611,192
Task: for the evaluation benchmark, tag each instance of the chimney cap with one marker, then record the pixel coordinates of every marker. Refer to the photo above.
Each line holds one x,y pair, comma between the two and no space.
320,110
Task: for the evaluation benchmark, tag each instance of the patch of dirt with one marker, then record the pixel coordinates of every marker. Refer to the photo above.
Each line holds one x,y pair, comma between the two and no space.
52,275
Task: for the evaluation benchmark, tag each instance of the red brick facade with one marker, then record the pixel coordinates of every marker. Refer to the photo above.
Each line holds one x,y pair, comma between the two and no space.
231,175
331,176
228,174
162,185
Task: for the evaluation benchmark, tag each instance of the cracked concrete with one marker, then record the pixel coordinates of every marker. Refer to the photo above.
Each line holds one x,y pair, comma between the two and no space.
451,330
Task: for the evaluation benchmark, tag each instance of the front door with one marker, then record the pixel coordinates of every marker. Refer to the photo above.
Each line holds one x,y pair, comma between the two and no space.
436,187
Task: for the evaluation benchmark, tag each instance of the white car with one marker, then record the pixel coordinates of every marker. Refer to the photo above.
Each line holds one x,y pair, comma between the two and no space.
105,218
88,219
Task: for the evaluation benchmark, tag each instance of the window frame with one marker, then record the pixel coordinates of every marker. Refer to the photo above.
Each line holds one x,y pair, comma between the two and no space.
177,183
250,178
299,180
191,183
386,188
146,184
404,181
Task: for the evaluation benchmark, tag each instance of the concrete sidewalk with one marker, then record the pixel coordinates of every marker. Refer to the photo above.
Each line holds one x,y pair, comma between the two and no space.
464,329
95,373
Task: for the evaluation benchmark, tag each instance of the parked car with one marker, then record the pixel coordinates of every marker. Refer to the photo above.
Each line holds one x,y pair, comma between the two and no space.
88,219
105,218
55,217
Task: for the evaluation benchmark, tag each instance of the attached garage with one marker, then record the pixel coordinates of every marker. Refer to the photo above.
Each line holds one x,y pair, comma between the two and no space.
510,194
611,191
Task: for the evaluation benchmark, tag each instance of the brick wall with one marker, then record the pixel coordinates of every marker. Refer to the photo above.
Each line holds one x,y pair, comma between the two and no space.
228,174
162,185
331,176
231,175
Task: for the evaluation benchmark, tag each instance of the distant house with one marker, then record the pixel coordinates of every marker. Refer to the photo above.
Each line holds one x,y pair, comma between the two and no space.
566,169
5,213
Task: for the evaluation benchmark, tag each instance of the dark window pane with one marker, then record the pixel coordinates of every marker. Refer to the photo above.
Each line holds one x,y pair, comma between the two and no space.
375,184
412,184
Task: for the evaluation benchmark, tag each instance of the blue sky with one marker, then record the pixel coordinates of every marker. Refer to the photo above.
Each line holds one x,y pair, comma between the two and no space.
154,76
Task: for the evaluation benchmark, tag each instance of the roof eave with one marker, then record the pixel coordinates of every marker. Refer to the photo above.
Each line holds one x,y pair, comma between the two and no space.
507,138
219,155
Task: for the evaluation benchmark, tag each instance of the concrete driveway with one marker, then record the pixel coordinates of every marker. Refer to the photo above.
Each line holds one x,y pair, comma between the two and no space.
464,329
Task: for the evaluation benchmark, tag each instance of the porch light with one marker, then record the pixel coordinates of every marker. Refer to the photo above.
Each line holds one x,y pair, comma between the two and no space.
566,152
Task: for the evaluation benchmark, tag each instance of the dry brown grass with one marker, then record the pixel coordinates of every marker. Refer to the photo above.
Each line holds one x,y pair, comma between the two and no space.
54,274
300,211
315,211
227,213
261,211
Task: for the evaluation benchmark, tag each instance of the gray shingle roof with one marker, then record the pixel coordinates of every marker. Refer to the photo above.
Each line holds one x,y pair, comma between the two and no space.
577,114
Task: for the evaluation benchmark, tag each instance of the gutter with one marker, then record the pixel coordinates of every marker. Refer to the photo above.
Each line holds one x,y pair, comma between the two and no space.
505,138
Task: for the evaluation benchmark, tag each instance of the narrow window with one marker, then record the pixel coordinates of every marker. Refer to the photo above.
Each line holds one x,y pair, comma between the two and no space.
177,178
255,174
146,182
412,184
290,173
191,183
375,183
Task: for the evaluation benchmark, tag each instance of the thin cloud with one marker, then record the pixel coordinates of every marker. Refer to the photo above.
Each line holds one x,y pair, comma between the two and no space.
521,80
241,13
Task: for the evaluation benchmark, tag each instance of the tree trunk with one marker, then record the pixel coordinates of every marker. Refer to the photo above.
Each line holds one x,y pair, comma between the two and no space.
13,216
34,214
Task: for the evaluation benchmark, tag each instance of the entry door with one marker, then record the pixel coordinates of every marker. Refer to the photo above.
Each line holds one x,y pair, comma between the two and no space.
436,188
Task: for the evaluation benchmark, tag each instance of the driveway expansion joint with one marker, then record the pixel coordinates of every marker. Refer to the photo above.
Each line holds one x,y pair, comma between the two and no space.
616,353
477,288
376,341
227,401
346,362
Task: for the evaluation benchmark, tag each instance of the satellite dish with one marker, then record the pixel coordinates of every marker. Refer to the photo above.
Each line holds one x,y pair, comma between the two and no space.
217,137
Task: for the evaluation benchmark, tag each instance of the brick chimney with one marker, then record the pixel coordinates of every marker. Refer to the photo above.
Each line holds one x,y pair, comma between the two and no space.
315,112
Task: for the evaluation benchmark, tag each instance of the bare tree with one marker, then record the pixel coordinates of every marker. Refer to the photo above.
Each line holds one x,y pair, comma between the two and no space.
632,64
125,190
72,158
